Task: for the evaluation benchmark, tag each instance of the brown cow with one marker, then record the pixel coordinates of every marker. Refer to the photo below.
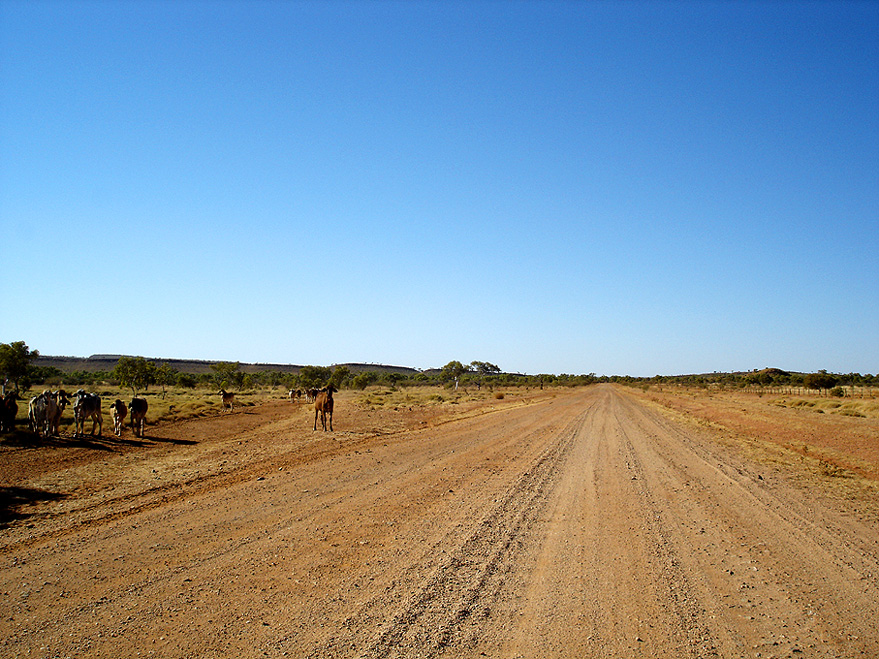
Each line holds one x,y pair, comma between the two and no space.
120,410
87,406
228,399
8,411
138,410
323,405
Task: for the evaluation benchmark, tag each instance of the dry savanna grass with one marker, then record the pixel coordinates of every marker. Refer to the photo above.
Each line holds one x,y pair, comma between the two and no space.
404,397
393,409
838,446
864,408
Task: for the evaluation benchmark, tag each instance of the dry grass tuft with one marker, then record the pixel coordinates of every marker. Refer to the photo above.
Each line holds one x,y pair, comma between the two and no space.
865,409
406,397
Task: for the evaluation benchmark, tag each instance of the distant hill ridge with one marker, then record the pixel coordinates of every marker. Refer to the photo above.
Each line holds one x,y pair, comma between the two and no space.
195,366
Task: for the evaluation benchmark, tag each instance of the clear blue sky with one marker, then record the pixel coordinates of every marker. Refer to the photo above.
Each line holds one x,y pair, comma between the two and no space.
554,187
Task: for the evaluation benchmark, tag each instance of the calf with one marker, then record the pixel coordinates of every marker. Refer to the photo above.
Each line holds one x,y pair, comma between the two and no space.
87,406
323,405
228,399
138,409
119,411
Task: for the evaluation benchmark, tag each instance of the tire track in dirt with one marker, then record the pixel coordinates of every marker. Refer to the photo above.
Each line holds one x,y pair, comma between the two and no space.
850,541
316,533
693,637
447,613
605,581
657,543
586,524
769,579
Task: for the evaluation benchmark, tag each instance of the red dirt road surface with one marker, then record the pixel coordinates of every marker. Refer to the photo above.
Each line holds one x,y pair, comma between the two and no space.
575,523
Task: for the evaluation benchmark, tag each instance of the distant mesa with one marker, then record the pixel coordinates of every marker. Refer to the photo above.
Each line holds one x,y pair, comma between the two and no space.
106,362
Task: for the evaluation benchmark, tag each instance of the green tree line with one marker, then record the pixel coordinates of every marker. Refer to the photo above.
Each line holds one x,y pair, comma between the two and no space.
17,370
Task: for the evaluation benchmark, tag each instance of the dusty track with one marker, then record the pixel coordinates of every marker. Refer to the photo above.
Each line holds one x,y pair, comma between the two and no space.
585,524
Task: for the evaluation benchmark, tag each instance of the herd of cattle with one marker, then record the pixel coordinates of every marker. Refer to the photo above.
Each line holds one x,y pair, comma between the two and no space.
323,403
44,411
310,394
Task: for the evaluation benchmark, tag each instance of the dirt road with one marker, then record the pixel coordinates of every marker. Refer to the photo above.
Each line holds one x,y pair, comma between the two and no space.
577,524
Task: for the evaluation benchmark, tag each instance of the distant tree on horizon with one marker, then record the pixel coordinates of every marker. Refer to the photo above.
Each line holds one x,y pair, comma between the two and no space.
340,376
15,364
484,368
226,374
135,372
452,371
165,376
313,377
821,380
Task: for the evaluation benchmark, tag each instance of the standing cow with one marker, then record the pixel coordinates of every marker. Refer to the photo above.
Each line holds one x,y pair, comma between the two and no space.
54,412
8,411
38,413
138,409
228,400
120,411
87,406
323,405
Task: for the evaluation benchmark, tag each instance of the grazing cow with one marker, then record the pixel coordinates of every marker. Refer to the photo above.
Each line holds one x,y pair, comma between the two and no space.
58,401
323,405
138,409
120,410
228,399
8,411
87,406
295,395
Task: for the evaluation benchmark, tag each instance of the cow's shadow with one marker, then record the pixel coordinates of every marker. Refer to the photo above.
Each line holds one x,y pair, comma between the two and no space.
112,442
95,442
172,440
104,442
13,499
20,438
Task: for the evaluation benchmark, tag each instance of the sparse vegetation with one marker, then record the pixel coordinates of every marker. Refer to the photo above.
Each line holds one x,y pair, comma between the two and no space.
456,377
384,397
838,445
865,408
